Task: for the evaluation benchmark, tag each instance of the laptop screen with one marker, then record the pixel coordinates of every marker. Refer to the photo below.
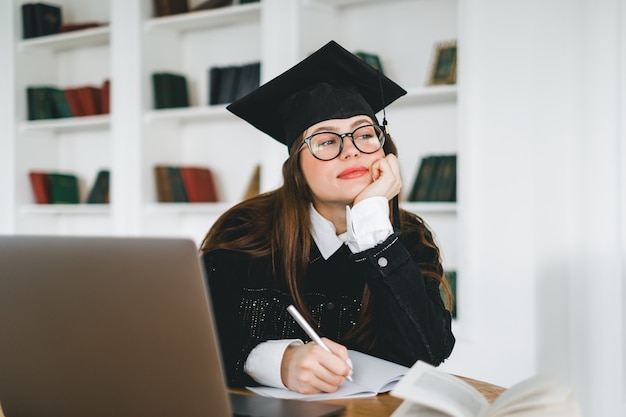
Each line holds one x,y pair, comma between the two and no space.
106,327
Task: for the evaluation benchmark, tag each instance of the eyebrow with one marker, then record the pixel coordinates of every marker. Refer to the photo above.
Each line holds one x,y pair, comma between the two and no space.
334,129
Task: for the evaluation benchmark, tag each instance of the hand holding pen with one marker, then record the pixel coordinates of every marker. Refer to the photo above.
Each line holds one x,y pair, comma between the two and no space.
314,336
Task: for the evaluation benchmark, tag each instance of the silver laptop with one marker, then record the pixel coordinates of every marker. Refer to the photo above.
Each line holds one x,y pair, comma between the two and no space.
114,327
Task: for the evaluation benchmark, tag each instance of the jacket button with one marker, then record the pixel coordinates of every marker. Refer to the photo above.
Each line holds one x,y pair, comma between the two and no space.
382,262
330,306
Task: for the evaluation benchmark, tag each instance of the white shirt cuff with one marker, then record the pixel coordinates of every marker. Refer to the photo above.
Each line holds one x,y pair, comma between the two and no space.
263,363
368,224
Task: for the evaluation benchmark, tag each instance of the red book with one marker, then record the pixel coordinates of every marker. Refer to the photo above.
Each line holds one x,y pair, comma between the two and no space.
71,95
90,100
199,184
40,183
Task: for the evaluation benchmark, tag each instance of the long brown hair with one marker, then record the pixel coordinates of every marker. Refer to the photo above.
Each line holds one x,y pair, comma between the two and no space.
277,224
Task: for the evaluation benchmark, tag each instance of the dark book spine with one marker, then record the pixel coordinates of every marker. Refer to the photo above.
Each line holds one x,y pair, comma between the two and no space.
179,194
169,7
48,19
40,103
99,193
29,25
215,74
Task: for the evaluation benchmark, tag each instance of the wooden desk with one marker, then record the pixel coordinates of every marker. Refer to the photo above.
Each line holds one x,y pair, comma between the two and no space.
384,405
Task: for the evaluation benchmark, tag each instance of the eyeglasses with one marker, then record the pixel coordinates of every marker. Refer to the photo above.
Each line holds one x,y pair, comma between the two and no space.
328,145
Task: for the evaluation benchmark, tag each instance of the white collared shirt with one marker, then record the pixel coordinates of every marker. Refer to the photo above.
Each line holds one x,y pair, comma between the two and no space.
367,225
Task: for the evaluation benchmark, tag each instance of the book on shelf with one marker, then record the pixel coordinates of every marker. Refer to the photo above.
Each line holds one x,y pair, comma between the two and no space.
164,186
372,59
212,4
40,184
170,90
228,83
46,102
99,193
64,188
89,100
185,184
254,186
428,391
105,105
169,7
40,19
199,184
371,376
435,179
51,102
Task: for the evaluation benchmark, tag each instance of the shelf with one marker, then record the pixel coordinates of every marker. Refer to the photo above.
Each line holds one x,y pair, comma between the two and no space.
190,114
206,19
428,95
69,40
189,208
69,124
430,207
340,3
66,209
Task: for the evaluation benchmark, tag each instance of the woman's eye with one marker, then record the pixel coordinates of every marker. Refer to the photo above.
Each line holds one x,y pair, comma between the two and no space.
325,141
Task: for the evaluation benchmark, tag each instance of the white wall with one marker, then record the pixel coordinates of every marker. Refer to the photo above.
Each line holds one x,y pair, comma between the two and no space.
542,145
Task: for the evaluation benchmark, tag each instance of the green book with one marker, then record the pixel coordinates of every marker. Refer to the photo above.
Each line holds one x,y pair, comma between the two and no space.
170,90
445,183
64,188
60,106
179,195
424,181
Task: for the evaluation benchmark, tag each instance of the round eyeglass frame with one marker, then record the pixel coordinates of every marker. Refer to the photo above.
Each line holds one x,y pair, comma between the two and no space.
381,139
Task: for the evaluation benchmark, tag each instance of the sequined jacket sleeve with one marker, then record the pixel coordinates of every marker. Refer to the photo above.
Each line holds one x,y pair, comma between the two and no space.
409,311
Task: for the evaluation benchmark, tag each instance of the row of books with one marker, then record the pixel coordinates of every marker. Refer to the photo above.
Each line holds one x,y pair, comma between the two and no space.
435,180
185,184
170,7
170,90
226,84
51,102
42,19
180,184
63,188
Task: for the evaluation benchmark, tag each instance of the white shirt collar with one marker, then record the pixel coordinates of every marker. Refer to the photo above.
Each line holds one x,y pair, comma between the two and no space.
324,234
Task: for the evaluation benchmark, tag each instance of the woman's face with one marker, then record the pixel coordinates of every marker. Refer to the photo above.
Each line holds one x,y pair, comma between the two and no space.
340,180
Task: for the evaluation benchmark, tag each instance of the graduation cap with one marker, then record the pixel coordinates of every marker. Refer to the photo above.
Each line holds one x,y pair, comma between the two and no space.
331,83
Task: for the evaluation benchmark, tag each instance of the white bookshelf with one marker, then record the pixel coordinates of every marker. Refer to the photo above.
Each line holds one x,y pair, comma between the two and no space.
131,140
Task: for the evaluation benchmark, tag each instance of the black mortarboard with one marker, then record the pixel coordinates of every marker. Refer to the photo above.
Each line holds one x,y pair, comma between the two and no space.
331,83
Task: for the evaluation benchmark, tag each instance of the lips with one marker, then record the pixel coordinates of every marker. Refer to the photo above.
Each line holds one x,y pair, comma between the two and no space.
352,172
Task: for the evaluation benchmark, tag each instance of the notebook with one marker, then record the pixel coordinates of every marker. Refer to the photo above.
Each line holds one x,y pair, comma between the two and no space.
112,326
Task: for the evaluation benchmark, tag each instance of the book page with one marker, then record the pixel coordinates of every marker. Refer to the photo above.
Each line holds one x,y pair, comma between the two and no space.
371,376
429,387
528,390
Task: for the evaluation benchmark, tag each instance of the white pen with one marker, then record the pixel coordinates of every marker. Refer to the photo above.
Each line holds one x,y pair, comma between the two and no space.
312,334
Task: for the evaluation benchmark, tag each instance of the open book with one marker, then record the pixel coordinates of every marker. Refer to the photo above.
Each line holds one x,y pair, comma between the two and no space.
371,376
430,392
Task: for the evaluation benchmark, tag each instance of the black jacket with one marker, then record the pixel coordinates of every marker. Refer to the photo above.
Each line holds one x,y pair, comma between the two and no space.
250,305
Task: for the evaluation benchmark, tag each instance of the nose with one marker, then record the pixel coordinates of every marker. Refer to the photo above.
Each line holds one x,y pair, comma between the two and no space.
349,150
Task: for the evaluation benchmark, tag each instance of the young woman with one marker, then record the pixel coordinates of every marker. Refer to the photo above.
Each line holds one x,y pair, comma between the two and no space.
330,240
